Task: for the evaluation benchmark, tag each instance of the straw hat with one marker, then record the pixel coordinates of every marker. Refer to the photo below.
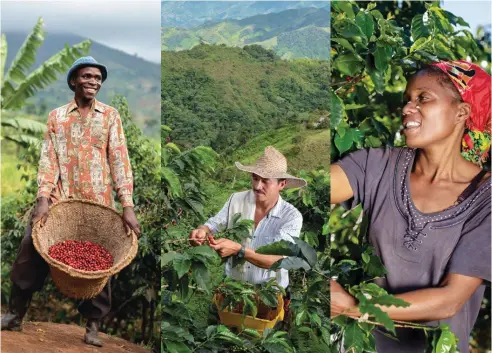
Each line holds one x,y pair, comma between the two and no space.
272,165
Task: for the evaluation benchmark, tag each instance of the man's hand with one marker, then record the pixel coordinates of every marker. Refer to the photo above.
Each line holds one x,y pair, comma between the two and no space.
197,236
40,212
224,247
341,302
131,221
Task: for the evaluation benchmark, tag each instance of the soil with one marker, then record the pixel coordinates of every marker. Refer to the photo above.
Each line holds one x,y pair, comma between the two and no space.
47,337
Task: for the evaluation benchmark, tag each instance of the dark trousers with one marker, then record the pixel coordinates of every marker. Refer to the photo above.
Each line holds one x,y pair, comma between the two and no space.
29,271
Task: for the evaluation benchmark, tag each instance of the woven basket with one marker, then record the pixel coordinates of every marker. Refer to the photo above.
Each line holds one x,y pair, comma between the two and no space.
84,220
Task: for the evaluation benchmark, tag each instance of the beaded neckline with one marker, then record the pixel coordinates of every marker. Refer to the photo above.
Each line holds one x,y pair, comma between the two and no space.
417,220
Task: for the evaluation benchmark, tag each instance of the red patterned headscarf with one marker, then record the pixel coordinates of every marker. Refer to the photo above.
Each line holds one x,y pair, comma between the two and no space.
473,84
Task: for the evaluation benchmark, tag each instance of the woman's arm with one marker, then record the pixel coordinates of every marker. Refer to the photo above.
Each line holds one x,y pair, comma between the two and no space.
340,186
425,304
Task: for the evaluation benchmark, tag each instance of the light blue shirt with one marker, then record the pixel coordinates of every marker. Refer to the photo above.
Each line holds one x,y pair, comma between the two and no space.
283,222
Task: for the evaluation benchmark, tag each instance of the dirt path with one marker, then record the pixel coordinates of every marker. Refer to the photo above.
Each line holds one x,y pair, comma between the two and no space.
47,337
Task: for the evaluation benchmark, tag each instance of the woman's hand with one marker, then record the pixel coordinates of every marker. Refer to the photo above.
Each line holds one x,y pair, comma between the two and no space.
341,302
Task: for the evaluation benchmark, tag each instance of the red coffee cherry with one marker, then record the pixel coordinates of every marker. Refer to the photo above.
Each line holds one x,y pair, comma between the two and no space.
82,255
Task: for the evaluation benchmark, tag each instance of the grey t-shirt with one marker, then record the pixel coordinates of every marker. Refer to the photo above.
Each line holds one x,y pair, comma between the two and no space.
419,249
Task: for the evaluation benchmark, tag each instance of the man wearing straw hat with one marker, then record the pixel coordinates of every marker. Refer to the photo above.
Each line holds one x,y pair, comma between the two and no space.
274,219
83,156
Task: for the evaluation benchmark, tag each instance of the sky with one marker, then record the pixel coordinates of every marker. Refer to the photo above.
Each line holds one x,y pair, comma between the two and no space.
474,12
128,25
134,26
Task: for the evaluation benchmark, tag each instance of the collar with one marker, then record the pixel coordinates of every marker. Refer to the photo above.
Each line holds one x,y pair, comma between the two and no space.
98,106
275,211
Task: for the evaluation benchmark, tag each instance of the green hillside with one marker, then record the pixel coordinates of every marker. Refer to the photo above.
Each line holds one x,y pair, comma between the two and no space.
223,97
131,76
305,149
296,33
190,14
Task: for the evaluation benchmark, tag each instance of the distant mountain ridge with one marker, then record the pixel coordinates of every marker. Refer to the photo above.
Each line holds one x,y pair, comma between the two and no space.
293,33
189,14
135,78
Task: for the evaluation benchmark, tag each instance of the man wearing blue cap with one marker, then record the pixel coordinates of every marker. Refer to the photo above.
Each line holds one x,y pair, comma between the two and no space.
83,156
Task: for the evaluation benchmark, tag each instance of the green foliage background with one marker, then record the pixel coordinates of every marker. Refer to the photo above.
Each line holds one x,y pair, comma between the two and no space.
221,105
135,309
375,47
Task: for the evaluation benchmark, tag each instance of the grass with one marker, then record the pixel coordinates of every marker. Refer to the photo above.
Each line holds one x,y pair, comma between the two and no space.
11,176
304,148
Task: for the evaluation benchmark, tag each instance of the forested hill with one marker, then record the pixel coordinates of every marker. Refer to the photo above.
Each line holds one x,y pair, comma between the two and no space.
222,97
295,33
190,14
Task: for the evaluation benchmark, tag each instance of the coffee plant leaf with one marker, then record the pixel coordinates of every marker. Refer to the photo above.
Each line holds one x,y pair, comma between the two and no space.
307,252
353,338
349,64
176,347
419,27
337,111
282,247
181,264
375,267
366,23
210,330
382,57
380,316
344,43
369,343
291,263
344,7
168,257
201,275
389,300
315,319
203,251
343,143
447,341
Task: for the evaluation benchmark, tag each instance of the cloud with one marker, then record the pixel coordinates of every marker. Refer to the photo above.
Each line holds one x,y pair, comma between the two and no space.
131,26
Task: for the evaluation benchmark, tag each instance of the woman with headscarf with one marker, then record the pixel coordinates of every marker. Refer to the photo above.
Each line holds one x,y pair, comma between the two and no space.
429,208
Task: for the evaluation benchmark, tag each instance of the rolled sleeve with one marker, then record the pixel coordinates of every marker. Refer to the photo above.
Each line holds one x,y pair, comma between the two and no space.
363,168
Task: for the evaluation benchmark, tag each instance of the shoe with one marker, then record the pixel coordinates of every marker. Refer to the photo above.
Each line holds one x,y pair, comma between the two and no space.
18,304
91,329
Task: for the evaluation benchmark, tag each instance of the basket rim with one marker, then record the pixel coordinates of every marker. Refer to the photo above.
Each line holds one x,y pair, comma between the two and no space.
73,272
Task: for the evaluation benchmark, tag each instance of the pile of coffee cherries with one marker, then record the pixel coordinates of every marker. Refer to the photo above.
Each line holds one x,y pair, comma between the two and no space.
82,255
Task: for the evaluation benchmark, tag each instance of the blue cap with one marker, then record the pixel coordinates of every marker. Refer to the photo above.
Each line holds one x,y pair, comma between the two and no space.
85,62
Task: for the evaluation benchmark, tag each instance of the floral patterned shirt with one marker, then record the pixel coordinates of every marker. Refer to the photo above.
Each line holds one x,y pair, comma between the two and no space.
84,157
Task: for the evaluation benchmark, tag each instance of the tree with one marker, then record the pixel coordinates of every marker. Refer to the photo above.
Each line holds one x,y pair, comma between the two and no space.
375,46
18,85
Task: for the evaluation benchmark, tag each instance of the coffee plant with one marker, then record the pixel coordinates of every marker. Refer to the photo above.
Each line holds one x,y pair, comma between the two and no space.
305,327
248,299
375,46
135,308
